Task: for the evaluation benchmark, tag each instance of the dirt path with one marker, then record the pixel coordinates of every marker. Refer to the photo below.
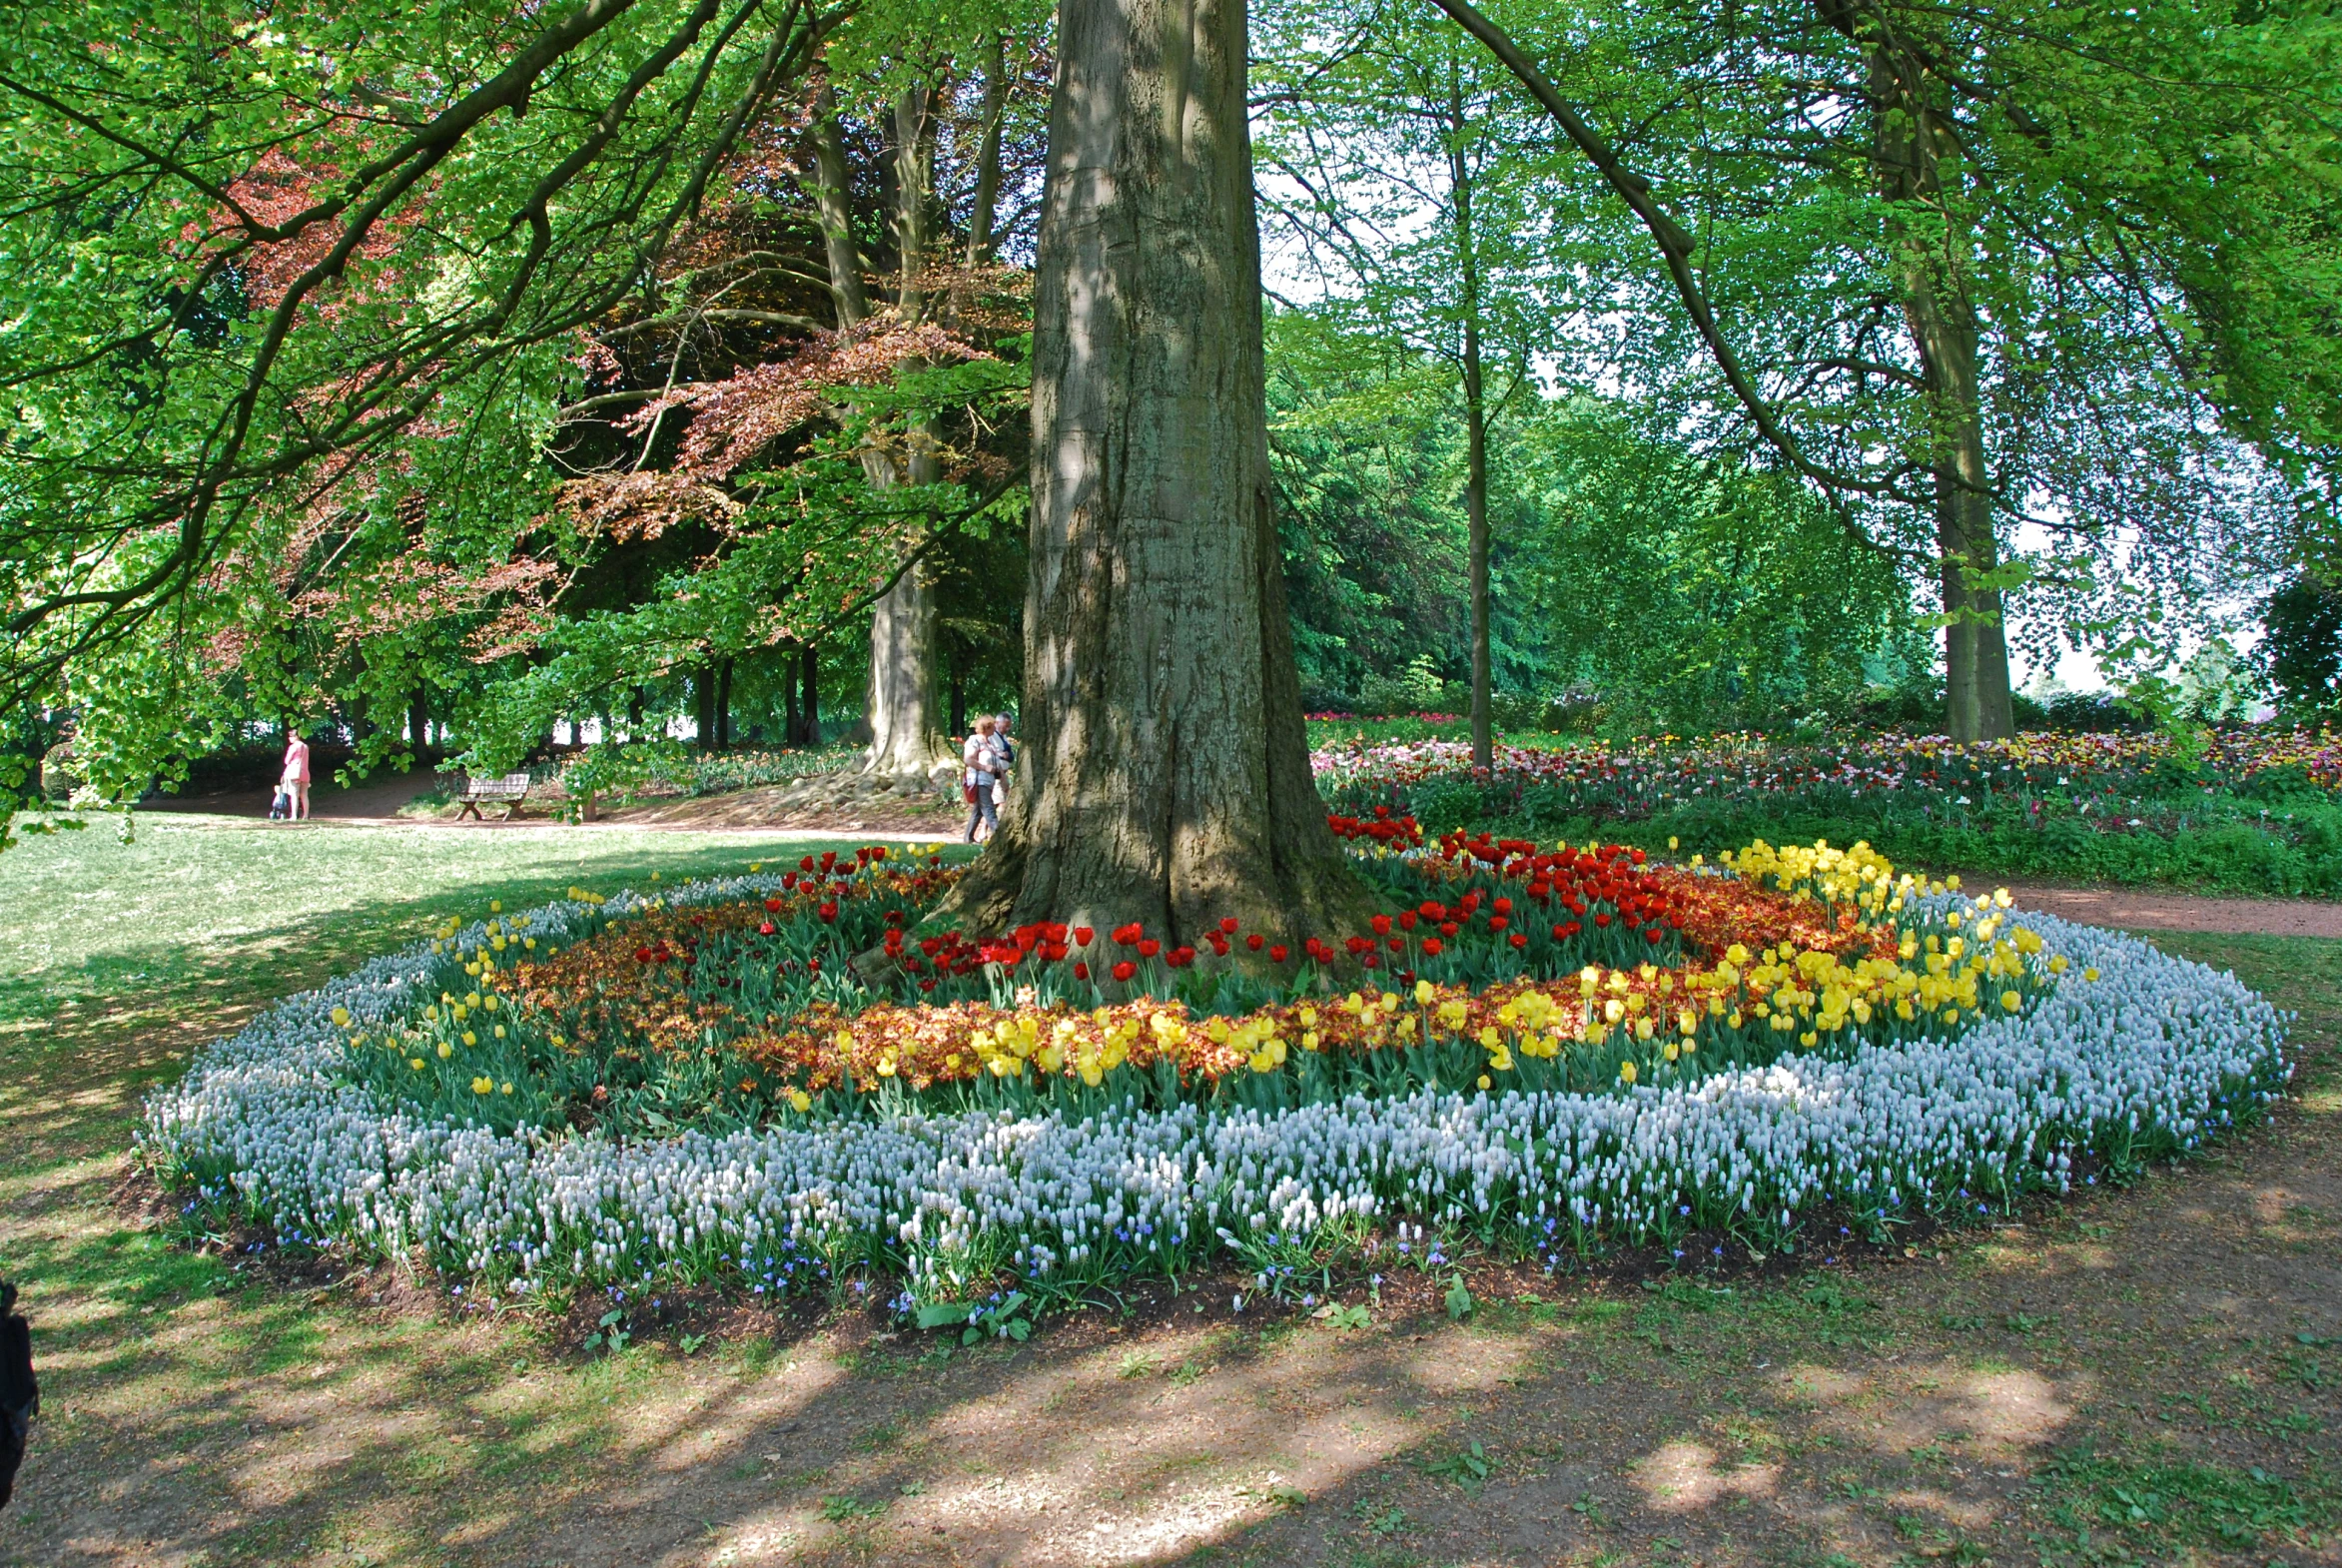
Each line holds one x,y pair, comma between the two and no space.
2146,909
2151,1375
378,803
374,801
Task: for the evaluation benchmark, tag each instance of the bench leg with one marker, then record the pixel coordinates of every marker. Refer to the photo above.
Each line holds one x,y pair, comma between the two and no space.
471,808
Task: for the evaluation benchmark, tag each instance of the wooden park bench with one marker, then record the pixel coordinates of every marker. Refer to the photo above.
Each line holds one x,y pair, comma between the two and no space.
510,791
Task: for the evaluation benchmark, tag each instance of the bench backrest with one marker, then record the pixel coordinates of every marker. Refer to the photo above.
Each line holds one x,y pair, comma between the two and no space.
509,784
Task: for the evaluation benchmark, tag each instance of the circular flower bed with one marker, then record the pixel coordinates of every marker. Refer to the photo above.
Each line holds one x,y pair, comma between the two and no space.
785,1079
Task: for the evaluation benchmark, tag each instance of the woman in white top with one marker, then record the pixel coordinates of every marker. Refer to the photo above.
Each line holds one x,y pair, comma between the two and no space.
980,757
293,781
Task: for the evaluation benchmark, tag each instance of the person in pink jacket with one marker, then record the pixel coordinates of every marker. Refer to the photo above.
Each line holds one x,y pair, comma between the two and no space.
295,781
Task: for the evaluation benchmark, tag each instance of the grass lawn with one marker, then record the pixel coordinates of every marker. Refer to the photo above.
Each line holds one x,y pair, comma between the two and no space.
2151,1375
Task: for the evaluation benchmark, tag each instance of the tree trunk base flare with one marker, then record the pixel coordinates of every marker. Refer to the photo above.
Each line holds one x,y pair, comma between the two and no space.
1164,777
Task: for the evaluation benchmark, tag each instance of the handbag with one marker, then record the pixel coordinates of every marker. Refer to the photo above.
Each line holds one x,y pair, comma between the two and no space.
967,794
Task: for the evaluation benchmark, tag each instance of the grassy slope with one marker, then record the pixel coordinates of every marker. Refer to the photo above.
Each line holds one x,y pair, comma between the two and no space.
2126,1380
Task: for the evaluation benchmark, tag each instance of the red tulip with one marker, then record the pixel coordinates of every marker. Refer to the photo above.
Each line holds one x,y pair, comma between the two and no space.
1432,946
1254,941
1381,925
1277,955
1518,940
1082,936
1125,970
772,905
1080,970
1148,947
1228,925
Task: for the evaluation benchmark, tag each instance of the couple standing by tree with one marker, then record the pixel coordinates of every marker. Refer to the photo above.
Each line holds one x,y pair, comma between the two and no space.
985,757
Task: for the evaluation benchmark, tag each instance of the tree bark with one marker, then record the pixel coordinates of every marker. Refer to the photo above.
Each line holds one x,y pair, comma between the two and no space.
1929,267
984,208
1475,438
848,296
812,672
723,704
703,705
793,733
904,735
1166,777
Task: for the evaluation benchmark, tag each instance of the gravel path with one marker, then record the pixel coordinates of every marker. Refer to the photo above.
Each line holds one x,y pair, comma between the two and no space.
2147,909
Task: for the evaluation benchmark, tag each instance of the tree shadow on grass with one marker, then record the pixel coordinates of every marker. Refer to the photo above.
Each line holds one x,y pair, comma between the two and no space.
198,1414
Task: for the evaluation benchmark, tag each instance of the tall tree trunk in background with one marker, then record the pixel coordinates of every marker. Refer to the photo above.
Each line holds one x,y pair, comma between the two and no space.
724,704
1165,778
904,734
419,723
847,292
906,729
1476,433
812,676
983,210
793,733
1909,143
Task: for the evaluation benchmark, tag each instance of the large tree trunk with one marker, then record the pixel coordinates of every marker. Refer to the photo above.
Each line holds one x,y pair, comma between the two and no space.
1476,441
1164,778
1931,264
